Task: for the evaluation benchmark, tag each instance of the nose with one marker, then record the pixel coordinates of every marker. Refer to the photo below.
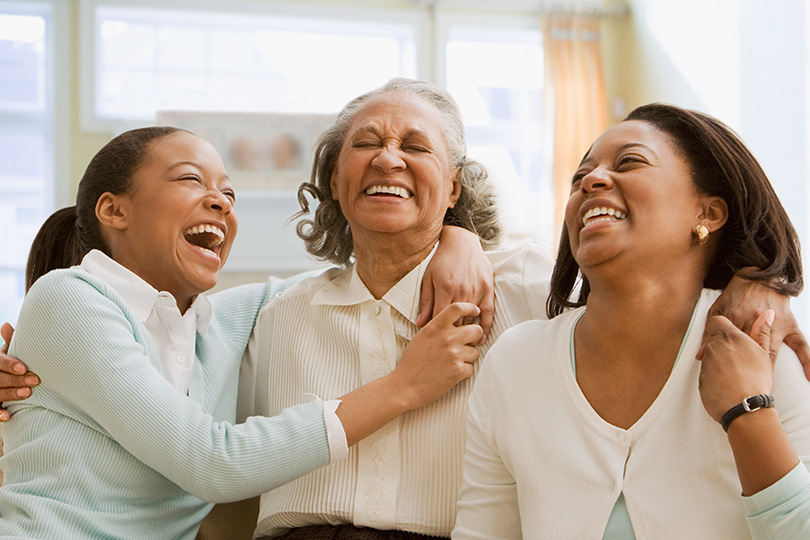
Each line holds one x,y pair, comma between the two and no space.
388,159
218,201
598,178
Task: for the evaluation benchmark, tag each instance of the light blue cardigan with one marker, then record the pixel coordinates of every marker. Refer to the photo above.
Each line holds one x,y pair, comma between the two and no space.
106,448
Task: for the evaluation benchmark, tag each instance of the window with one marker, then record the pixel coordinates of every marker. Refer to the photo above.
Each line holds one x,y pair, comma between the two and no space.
26,139
146,59
495,72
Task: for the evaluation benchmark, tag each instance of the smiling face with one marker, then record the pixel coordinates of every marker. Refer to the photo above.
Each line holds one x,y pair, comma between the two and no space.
176,225
393,174
633,196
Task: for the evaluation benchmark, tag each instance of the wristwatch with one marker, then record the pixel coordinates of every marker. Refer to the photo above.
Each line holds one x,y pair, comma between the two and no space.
749,404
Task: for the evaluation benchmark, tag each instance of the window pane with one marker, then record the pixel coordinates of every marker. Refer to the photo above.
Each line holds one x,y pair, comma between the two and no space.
22,62
23,192
26,185
150,59
497,78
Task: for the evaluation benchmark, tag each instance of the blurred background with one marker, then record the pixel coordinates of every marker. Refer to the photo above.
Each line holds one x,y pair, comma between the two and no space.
536,81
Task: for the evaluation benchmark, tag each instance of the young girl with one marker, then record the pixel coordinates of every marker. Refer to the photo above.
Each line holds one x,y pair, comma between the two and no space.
129,433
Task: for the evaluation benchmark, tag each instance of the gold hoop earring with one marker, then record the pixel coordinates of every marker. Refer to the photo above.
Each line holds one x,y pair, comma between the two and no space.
702,233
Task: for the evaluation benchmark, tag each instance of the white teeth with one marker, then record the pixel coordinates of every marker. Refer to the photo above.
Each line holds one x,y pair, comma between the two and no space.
207,228
604,213
390,190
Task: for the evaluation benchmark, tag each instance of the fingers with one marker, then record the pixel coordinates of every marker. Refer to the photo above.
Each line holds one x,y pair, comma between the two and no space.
442,299
16,381
717,327
5,332
786,330
761,331
454,313
15,387
13,394
470,334
797,342
11,366
426,301
487,306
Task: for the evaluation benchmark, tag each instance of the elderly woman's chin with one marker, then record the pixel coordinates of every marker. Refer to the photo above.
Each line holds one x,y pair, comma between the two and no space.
397,223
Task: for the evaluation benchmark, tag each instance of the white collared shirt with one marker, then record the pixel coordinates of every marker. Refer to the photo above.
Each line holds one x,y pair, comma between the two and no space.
174,333
328,335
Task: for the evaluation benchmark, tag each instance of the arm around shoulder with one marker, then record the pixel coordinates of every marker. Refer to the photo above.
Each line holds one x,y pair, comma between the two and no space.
782,510
96,369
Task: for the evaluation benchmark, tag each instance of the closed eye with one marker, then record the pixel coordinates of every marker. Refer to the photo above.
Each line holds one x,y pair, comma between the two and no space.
415,148
631,159
578,176
366,144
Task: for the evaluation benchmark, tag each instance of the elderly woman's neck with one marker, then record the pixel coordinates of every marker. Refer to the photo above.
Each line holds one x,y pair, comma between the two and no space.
383,262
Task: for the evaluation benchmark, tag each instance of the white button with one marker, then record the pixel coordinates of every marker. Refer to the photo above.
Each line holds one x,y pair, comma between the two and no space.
181,359
377,309
622,437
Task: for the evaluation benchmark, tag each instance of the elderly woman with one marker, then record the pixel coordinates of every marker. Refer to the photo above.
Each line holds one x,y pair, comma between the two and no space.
387,174
664,209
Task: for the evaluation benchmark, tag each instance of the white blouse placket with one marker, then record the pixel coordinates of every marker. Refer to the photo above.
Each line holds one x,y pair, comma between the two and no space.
379,456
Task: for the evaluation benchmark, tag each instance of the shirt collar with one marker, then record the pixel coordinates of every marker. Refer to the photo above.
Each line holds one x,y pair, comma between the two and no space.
348,289
139,296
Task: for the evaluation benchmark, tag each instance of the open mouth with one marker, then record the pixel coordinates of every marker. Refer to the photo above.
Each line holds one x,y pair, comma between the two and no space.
595,215
209,237
391,191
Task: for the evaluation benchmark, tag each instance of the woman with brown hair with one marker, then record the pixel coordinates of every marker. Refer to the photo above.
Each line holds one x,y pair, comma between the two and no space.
594,424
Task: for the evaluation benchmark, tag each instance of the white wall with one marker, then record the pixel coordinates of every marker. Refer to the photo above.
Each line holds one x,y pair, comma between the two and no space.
743,61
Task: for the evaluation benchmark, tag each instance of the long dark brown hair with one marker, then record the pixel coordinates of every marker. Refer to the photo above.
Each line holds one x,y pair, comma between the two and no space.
68,234
758,232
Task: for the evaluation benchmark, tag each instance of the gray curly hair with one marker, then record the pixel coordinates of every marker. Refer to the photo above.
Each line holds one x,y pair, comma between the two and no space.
328,236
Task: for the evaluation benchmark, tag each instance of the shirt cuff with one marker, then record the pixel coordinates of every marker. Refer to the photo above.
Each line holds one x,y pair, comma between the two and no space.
335,434
784,489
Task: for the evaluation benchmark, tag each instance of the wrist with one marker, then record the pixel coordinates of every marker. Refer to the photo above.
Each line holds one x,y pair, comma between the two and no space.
399,393
751,404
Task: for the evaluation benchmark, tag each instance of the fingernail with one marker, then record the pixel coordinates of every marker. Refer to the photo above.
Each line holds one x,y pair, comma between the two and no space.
19,368
31,380
3,416
23,392
769,316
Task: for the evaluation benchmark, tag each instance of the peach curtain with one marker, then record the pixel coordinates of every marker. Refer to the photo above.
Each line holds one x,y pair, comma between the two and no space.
574,74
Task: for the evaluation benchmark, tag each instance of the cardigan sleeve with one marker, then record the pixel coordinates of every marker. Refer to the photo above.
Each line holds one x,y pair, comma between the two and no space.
488,504
95,369
782,510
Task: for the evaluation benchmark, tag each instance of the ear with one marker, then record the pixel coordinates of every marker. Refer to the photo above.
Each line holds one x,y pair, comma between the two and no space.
113,211
714,213
333,184
456,193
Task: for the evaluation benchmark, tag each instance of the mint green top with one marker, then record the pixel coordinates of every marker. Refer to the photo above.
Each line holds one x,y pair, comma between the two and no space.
106,448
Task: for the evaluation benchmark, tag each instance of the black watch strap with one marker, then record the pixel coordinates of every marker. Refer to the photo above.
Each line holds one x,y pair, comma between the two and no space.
749,404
